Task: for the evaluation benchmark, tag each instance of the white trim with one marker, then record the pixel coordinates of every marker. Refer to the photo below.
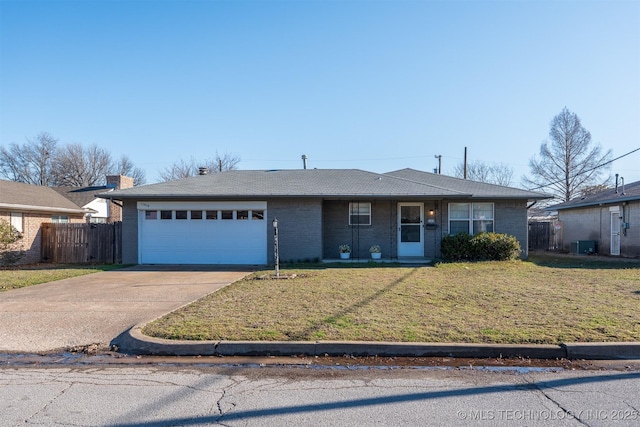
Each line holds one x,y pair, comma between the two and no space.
358,212
614,208
33,208
614,241
470,219
16,221
181,206
411,248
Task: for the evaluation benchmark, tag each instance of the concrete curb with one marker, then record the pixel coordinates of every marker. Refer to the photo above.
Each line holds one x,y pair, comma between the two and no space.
134,342
602,351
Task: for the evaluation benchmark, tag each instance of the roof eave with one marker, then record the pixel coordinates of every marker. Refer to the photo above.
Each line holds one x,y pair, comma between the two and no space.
597,203
320,195
33,208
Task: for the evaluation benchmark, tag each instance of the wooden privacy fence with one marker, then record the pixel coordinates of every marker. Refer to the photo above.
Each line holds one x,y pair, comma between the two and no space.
545,235
80,243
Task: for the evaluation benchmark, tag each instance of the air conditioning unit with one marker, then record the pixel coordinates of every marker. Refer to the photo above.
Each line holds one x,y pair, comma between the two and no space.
584,247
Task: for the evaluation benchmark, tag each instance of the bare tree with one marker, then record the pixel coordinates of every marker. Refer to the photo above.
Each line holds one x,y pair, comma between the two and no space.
569,161
126,167
500,174
76,166
30,162
184,169
41,161
592,189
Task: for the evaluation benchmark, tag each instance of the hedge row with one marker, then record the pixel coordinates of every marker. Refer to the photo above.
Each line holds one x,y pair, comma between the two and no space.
481,247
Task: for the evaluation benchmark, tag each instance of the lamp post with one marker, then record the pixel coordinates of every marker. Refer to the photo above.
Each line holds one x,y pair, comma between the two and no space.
275,246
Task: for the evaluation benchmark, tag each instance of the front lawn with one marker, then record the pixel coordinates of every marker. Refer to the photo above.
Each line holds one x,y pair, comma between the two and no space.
543,300
21,276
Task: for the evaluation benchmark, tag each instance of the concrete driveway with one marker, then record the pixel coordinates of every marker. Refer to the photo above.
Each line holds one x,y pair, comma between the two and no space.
96,308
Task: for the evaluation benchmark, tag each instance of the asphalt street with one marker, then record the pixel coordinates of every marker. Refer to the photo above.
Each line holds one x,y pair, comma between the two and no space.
264,396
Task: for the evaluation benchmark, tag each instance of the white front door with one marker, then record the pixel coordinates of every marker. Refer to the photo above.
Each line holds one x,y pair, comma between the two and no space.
615,233
410,229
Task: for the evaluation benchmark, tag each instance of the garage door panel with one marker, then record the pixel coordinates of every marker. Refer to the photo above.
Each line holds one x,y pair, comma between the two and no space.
204,241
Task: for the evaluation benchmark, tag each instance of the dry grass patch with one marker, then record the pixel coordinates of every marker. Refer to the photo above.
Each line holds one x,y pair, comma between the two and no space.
539,301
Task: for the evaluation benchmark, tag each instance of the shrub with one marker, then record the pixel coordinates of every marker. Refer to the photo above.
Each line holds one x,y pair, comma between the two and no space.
9,252
456,247
482,247
495,247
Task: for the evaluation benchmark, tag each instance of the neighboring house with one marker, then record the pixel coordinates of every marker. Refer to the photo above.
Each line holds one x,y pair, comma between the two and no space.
27,206
104,211
611,218
226,218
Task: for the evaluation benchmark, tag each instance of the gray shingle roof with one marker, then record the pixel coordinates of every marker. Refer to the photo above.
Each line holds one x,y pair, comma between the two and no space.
327,183
631,192
17,194
81,196
476,189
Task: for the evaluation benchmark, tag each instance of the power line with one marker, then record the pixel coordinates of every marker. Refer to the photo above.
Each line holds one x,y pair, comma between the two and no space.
587,171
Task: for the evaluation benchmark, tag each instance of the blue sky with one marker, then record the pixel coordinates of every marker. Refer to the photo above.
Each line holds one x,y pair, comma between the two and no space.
375,85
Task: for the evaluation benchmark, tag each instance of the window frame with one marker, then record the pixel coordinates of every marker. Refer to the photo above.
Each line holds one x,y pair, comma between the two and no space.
355,211
60,219
16,219
470,217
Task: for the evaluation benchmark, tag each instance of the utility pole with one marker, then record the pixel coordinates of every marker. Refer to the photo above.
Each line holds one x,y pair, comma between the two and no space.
304,161
439,157
465,162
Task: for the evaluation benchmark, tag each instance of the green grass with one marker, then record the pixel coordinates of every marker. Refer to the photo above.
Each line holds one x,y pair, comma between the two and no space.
543,300
21,276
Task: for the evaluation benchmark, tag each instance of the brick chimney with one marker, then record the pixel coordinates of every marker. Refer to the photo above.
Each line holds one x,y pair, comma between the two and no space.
118,182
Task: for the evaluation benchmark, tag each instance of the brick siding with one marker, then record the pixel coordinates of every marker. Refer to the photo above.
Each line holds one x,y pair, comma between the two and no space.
299,229
119,182
130,232
383,230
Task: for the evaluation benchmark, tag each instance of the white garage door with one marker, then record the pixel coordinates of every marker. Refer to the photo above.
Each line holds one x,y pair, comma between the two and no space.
202,233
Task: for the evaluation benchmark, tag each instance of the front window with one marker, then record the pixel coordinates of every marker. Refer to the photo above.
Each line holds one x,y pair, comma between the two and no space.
482,218
16,221
472,218
359,213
